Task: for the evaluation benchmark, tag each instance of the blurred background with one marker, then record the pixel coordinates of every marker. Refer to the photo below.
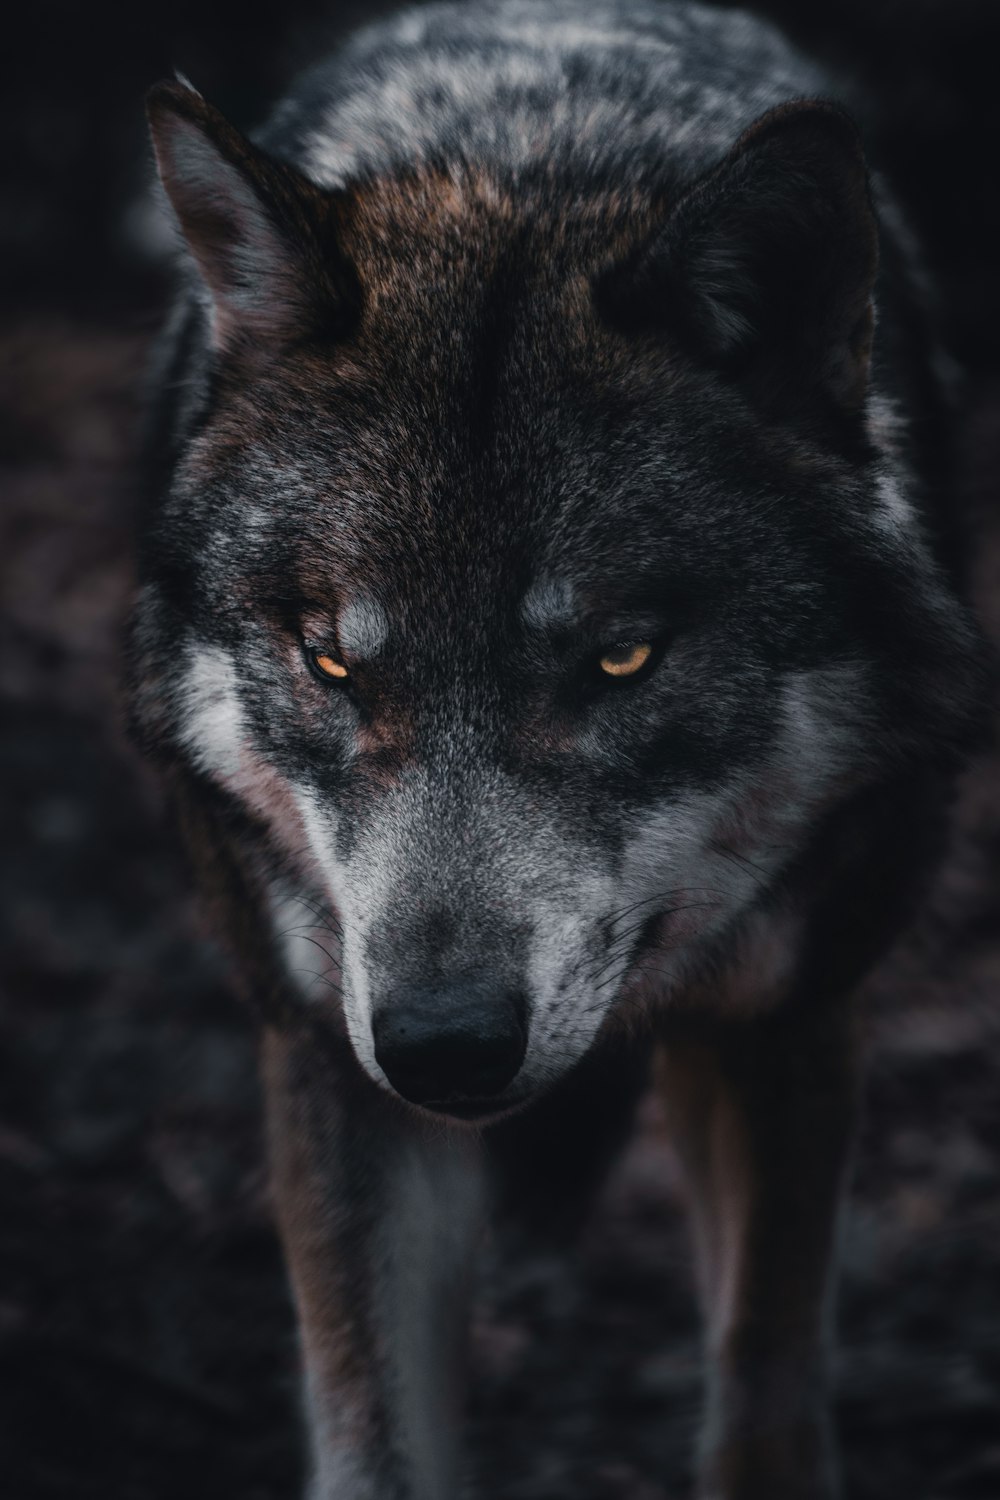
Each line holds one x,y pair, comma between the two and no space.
146,1340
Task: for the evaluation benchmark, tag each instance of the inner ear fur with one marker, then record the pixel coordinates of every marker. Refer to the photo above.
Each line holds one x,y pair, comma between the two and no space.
263,238
765,268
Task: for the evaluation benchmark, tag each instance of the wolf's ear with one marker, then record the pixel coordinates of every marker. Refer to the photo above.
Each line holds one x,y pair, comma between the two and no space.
766,266
262,236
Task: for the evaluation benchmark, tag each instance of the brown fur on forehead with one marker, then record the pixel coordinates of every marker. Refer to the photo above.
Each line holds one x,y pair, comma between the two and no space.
433,216
435,247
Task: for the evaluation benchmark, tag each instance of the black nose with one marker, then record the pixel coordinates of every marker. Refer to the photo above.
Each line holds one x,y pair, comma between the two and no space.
463,1040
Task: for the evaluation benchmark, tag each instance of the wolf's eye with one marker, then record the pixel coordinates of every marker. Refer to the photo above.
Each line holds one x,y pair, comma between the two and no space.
328,666
625,658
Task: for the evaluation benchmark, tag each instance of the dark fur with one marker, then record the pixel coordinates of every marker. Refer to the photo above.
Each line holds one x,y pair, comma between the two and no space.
554,306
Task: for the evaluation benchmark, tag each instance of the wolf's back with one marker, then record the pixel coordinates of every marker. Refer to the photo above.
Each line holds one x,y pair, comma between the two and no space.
620,91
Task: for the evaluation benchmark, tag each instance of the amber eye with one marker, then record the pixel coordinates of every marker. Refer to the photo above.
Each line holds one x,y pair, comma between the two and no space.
328,665
625,658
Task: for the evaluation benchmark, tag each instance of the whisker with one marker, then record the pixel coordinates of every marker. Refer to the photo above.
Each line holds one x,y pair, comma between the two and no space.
616,951
313,974
325,951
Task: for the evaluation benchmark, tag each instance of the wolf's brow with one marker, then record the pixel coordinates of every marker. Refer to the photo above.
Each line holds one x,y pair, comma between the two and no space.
362,627
549,603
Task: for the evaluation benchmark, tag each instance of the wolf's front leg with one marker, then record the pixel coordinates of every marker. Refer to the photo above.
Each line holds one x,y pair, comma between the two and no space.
379,1214
762,1116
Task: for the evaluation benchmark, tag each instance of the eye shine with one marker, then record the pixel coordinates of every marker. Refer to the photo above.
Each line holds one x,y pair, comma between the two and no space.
625,658
329,666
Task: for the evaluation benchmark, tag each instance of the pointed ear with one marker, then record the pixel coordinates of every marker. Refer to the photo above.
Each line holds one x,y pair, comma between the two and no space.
263,237
766,266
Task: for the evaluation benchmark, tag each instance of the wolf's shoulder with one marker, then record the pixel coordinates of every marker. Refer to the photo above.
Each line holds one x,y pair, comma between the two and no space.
603,88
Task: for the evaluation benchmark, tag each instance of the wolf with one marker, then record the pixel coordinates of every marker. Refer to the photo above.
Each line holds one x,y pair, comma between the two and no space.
552,632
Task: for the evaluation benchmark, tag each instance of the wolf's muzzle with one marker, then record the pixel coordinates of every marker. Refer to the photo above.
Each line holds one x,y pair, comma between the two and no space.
453,1045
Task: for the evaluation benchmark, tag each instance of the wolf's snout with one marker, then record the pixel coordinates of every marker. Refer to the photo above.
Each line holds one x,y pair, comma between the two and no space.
457,1042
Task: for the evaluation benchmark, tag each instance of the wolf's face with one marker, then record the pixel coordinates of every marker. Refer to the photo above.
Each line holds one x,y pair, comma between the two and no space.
532,574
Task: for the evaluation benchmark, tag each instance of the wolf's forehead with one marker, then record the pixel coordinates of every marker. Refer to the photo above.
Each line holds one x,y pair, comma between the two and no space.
473,286
470,220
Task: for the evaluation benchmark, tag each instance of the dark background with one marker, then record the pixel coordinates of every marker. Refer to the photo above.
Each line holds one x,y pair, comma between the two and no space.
146,1342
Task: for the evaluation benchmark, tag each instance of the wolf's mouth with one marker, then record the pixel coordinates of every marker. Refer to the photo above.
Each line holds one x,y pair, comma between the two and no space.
475,1111
463,1109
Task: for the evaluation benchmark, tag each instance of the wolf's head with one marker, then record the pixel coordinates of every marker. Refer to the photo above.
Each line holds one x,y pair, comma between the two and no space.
533,573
